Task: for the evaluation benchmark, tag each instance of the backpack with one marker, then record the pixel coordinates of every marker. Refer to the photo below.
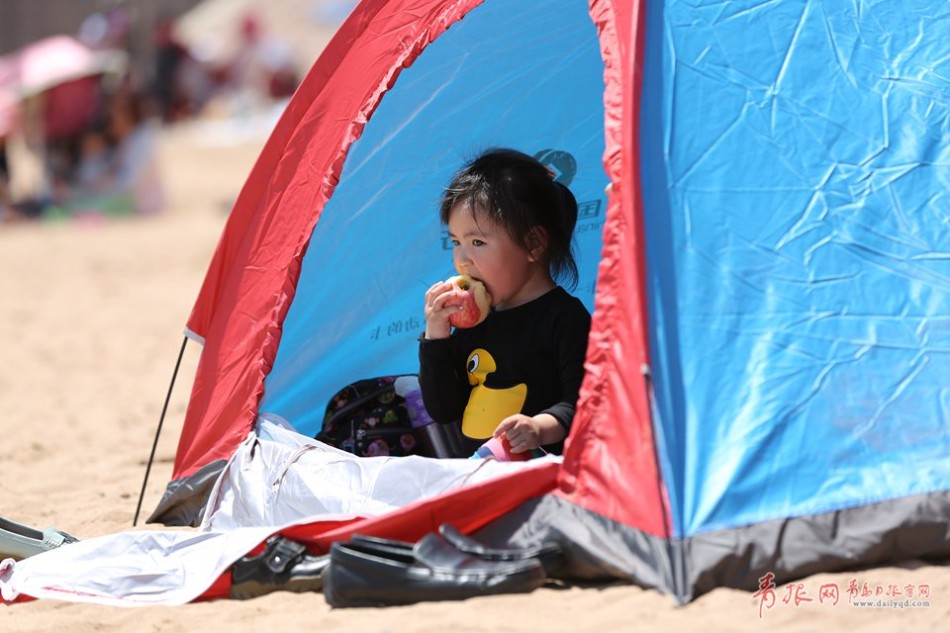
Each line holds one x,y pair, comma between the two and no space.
369,419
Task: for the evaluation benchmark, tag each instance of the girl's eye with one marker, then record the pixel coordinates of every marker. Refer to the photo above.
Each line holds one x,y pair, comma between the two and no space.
455,242
478,243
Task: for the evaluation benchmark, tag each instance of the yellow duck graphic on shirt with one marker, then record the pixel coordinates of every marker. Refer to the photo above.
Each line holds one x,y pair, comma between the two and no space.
488,406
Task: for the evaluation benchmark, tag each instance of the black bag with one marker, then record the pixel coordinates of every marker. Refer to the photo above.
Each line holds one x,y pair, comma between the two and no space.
368,418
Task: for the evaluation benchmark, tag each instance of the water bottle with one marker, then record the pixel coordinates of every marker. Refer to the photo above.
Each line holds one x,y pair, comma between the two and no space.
439,440
408,388
499,448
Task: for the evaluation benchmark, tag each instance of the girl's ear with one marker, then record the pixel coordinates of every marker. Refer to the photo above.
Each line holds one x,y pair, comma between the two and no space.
537,243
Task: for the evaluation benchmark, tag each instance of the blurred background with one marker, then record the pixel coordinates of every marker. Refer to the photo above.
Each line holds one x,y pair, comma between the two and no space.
127,129
88,86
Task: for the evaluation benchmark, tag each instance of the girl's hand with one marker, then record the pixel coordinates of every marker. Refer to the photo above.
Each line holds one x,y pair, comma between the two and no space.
526,433
436,312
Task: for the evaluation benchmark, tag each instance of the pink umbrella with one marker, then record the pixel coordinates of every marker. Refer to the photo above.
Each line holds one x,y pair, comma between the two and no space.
59,59
65,70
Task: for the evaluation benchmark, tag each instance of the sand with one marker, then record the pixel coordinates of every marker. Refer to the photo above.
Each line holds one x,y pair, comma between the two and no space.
91,321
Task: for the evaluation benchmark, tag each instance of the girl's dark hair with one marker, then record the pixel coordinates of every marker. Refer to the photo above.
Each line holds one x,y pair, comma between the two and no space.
518,193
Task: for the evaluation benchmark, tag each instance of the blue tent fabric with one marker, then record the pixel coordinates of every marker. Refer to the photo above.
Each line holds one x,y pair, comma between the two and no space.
795,183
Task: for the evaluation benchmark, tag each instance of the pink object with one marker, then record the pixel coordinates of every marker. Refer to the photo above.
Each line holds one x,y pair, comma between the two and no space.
500,449
65,68
56,60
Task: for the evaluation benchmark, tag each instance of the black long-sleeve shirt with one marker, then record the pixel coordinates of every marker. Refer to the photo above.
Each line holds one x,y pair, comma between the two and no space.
532,355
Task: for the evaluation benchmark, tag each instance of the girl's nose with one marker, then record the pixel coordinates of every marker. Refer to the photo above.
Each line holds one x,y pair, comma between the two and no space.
462,260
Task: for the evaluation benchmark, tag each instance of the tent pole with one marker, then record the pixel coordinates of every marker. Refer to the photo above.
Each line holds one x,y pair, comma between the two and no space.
158,431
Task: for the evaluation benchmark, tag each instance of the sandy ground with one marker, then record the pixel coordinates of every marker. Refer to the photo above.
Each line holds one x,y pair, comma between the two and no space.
91,319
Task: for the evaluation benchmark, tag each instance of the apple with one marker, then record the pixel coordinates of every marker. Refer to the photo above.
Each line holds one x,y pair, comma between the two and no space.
474,299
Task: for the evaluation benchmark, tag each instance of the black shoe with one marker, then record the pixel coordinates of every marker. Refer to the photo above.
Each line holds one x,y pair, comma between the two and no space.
284,565
379,573
549,554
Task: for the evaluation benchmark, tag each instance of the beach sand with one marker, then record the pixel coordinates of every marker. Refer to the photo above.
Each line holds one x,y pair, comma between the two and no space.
91,321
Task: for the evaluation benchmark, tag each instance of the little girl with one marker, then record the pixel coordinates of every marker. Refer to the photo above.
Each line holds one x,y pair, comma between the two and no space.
517,374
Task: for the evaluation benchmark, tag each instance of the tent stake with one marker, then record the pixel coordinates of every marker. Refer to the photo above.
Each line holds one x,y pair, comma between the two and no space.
158,431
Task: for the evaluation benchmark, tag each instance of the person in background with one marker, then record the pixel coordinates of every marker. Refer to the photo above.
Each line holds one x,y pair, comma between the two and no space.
93,173
182,85
134,135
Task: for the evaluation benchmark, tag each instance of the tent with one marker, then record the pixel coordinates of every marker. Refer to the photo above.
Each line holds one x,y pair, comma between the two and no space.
762,241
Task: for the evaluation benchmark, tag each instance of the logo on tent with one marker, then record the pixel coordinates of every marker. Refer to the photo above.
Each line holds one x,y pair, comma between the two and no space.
559,163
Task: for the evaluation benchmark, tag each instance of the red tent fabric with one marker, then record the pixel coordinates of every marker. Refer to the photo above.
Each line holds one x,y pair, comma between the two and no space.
610,466
607,468
256,264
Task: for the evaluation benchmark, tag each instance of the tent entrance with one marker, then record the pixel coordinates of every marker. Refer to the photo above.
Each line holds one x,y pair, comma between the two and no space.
508,74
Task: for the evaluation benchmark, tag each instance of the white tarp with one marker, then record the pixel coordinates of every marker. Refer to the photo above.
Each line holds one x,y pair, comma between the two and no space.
276,478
